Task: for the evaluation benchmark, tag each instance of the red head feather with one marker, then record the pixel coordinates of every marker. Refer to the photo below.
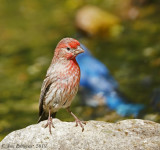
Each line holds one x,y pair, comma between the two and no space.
72,43
64,43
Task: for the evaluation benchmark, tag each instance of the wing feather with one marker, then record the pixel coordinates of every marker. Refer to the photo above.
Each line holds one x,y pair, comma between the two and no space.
45,87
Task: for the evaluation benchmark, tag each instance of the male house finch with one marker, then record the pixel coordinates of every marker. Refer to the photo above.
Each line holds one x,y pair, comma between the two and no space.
61,82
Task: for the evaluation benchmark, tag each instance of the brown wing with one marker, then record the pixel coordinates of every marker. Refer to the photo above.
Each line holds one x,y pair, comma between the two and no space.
45,87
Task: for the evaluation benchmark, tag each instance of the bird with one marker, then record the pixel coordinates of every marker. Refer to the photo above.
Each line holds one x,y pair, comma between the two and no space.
61,82
99,88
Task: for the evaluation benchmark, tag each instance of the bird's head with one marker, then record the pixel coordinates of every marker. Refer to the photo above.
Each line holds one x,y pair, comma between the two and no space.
68,48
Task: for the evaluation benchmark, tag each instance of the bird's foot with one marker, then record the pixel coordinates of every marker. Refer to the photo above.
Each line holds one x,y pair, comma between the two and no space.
79,122
49,124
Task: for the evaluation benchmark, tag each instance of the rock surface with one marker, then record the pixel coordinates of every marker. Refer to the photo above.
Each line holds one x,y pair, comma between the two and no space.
131,134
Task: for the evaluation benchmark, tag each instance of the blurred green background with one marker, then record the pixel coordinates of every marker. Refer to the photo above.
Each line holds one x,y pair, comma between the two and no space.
29,32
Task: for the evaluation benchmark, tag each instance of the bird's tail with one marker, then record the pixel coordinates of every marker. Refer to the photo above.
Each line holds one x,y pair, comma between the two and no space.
118,102
129,109
43,116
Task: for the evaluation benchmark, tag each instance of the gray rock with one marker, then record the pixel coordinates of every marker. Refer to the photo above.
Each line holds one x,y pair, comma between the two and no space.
131,134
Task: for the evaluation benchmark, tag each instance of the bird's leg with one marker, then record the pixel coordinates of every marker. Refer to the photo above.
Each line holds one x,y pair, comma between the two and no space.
76,119
49,122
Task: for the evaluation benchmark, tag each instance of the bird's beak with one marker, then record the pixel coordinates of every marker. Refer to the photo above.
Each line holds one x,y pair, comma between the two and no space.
79,50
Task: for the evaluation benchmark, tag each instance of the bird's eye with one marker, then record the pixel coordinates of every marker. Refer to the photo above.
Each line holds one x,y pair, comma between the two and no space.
68,48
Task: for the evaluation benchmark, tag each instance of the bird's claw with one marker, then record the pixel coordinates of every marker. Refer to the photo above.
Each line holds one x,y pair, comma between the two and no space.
49,124
80,123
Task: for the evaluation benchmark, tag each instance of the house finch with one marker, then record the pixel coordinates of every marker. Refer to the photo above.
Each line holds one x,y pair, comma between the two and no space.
61,82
